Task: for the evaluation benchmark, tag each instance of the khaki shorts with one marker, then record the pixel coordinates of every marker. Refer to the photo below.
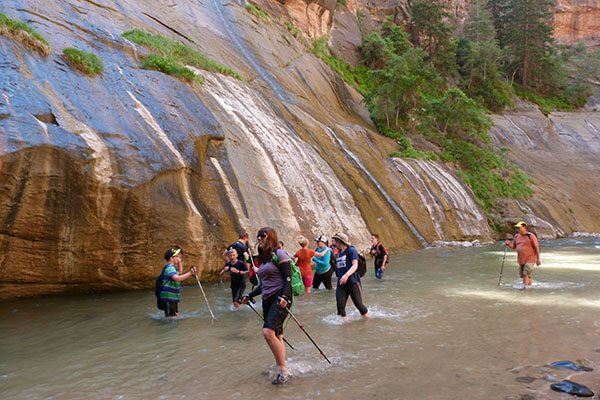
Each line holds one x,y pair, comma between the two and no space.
526,269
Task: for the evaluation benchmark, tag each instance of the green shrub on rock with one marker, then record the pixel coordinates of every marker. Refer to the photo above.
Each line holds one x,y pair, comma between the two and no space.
24,34
88,63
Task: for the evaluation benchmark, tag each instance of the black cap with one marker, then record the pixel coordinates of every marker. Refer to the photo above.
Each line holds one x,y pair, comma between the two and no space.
173,251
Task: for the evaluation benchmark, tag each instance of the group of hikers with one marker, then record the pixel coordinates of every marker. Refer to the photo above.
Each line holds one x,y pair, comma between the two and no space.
270,273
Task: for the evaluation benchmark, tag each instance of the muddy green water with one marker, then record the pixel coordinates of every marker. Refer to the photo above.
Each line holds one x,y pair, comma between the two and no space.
440,328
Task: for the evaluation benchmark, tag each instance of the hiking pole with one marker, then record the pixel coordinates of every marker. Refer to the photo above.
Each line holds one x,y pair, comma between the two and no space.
261,317
204,294
502,268
306,333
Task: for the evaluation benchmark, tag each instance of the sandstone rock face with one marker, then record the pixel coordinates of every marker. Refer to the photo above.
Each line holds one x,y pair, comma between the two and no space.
313,17
576,21
560,153
98,176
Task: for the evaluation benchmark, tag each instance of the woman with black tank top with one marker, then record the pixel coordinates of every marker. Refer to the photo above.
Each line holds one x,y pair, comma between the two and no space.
275,286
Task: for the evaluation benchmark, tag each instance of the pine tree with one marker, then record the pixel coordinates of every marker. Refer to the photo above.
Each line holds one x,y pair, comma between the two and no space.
529,45
480,59
499,10
479,24
430,32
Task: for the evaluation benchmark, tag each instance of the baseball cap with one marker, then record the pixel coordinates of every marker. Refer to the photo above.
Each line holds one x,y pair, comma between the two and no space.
520,224
173,251
321,238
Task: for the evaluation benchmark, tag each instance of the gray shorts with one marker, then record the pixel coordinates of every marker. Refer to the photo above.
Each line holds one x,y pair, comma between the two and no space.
526,269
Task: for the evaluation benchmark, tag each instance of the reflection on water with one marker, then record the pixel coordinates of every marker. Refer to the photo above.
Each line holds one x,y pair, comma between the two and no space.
439,328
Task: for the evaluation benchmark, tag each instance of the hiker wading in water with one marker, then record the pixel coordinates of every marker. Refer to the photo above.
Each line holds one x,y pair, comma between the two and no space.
528,252
173,276
276,289
348,279
380,254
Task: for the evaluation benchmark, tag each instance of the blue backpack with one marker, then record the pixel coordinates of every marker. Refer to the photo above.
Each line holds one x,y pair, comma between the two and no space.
158,288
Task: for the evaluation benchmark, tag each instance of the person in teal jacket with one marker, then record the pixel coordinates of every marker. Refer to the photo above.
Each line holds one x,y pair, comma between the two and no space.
323,269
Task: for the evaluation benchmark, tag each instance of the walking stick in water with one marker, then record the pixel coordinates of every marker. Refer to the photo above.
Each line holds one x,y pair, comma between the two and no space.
502,268
306,333
204,294
261,317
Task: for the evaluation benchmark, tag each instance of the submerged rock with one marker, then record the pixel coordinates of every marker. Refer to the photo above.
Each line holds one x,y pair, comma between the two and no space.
525,379
550,378
570,365
573,388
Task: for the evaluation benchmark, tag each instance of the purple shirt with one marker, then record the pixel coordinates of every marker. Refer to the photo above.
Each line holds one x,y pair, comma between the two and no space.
270,276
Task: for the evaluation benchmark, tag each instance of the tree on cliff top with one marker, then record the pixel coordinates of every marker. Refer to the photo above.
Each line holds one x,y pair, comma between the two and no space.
529,45
430,32
479,59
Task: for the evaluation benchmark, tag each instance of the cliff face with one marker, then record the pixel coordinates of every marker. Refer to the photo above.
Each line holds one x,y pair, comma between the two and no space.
578,21
574,21
98,176
560,153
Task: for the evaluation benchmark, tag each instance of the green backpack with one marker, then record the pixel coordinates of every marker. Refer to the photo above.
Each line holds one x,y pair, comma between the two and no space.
297,284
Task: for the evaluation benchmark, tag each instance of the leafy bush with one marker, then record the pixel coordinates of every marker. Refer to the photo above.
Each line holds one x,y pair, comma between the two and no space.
88,63
167,66
25,34
546,104
357,77
408,151
179,53
488,175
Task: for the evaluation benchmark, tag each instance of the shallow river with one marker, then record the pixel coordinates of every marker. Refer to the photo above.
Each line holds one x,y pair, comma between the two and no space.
439,328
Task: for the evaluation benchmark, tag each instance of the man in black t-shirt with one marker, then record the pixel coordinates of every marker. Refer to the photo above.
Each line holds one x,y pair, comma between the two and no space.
380,254
241,246
238,270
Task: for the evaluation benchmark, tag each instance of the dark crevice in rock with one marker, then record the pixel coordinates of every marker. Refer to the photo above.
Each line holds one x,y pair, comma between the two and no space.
48,118
45,18
4,116
168,27
101,6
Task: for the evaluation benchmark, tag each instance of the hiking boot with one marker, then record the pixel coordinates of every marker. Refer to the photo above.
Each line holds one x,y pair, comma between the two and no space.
280,379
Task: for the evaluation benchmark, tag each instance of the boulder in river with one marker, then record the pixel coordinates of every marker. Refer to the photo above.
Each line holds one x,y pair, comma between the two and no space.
573,388
570,365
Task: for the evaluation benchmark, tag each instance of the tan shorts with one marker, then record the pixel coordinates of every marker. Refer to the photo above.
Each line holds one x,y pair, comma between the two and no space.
526,269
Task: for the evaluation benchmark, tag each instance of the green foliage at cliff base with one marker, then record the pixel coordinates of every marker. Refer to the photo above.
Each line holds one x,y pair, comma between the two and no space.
569,101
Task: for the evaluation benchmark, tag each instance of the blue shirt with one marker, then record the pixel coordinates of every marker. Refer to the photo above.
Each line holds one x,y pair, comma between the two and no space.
322,263
171,289
344,263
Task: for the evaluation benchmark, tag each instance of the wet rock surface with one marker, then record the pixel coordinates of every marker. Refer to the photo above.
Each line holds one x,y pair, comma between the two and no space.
570,365
573,388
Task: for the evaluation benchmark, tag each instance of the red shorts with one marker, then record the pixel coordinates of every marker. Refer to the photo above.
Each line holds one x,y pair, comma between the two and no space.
307,280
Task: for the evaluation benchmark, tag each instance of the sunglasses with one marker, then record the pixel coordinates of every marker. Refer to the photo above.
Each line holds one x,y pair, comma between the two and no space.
261,236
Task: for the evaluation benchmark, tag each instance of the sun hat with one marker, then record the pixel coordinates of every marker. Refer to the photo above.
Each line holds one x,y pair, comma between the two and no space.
173,251
341,237
520,224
